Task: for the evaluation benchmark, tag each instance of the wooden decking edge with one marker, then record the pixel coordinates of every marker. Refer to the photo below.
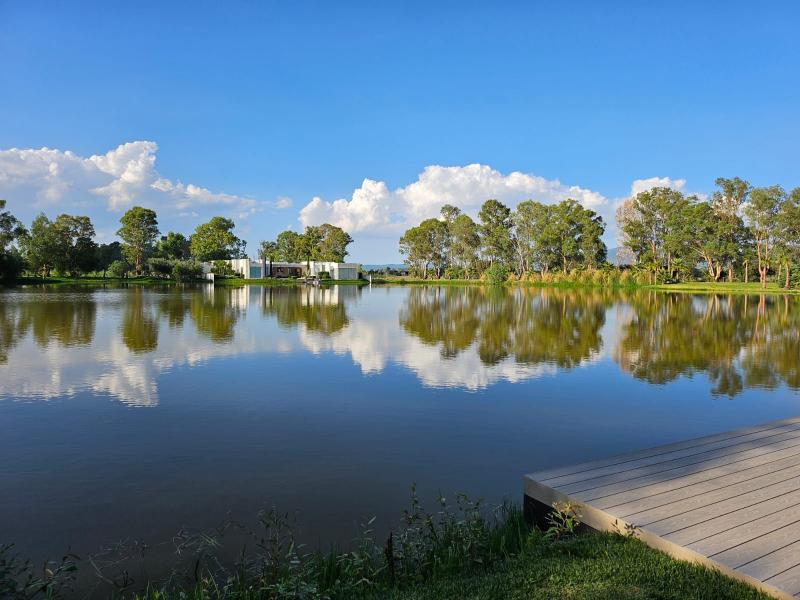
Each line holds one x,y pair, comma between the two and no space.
603,521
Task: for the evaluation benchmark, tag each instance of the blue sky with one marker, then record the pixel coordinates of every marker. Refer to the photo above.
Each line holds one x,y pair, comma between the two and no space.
253,109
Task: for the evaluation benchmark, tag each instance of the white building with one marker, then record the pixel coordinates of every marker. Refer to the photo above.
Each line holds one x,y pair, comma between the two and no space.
253,269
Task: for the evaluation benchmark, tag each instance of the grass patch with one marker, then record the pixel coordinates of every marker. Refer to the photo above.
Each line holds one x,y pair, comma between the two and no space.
724,287
462,550
596,566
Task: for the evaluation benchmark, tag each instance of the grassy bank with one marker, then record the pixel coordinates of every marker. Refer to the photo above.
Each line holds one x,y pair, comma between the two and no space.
591,566
87,279
722,287
464,552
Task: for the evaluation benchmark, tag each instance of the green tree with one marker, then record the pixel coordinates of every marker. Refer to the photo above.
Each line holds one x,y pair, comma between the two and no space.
215,240
268,250
173,246
762,212
465,242
333,242
76,250
425,246
41,246
11,231
138,233
107,254
308,243
788,231
289,246
495,229
650,228
727,202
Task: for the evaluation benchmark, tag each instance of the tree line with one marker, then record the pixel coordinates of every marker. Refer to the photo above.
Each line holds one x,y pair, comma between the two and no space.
325,242
534,237
66,246
738,231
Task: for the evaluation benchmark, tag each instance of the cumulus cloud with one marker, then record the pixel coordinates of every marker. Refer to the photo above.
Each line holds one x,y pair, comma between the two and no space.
643,185
375,208
116,180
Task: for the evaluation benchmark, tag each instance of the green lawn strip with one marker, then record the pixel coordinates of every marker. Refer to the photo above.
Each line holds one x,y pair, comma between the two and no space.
596,566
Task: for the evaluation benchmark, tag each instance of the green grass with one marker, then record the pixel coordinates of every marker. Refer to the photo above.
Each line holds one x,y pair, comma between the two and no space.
596,566
724,287
87,279
461,551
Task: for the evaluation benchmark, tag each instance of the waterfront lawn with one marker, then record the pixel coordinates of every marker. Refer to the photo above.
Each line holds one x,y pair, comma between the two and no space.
596,566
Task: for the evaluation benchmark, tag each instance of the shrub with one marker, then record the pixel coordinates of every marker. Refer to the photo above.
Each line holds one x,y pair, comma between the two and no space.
455,273
186,270
118,268
11,265
160,267
324,275
496,274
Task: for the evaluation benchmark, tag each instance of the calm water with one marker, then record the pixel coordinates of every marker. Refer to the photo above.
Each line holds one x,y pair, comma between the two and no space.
131,412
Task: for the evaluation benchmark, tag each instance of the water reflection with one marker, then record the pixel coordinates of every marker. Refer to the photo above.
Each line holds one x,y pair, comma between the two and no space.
736,341
56,342
534,326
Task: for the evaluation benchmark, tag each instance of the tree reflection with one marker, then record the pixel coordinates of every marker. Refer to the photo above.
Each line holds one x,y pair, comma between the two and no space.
139,328
216,311
533,326
736,341
318,309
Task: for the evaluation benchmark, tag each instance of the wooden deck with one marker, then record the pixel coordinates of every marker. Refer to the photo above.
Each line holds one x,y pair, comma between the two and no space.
729,501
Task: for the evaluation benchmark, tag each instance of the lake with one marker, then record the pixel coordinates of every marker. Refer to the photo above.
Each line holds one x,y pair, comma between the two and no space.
128,413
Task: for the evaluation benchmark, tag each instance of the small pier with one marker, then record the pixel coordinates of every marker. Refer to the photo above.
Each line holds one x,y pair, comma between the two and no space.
729,501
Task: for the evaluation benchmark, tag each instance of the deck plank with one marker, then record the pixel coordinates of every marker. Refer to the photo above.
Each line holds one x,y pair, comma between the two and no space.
547,474
730,501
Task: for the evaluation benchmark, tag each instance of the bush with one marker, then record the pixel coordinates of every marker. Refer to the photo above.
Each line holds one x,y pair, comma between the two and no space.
455,273
324,275
186,270
118,268
221,268
160,267
496,274
11,265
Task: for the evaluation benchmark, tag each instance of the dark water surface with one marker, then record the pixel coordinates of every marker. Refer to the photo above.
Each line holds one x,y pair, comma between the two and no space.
132,412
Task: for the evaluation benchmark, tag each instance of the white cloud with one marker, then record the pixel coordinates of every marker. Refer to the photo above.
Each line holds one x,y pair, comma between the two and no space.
283,202
118,179
643,185
375,208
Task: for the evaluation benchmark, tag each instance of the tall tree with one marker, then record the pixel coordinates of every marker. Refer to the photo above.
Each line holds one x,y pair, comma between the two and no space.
289,246
788,235
215,240
727,203
138,233
173,246
41,246
426,246
76,249
268,250
11,230
495,228
465,242
333,243
762,212
649,227
107,254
